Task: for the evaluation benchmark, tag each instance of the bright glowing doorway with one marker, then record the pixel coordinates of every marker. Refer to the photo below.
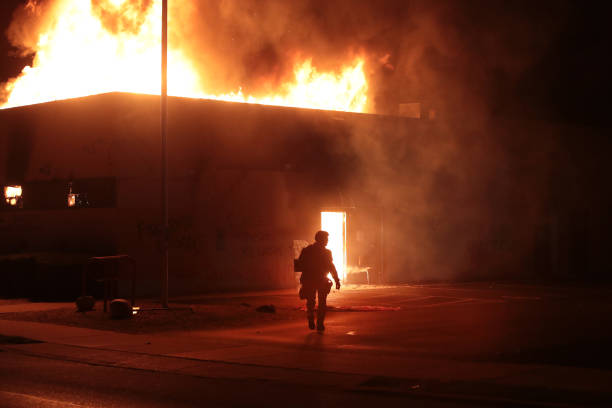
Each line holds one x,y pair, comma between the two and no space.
335,224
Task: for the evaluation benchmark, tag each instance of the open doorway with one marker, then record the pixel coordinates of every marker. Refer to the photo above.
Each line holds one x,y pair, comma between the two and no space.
334,222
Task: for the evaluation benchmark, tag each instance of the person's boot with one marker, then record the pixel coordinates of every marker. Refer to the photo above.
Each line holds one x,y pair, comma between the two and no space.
311,321
320,319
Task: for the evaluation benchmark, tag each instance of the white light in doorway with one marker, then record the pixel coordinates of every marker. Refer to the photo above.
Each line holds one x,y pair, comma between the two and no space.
335,224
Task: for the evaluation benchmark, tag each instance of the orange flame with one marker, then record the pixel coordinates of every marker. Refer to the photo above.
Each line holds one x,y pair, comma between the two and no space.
103,46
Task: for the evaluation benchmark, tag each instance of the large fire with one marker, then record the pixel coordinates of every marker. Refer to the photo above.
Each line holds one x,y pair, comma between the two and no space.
78,55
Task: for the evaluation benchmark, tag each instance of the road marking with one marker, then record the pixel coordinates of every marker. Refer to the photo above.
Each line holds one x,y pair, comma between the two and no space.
450,302
27,400
417,299
522,297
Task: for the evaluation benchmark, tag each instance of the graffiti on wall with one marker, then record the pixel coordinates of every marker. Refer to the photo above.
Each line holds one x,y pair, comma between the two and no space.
181,234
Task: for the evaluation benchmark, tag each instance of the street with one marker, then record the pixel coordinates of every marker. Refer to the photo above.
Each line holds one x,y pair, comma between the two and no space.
42,382
430,345
483,322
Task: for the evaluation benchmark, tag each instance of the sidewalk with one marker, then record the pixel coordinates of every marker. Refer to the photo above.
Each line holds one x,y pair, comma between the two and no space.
257,352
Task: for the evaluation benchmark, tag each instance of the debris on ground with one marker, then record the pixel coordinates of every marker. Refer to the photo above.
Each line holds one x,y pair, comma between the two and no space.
381,382
266,309
85,303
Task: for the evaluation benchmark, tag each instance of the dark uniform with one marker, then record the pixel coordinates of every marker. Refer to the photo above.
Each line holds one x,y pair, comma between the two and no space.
316,263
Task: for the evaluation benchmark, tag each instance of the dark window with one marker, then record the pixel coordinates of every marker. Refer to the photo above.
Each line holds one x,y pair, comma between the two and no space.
59,194
96,192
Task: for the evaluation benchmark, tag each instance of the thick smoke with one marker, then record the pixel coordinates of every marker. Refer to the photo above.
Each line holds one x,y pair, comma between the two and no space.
460,200
444,54
447,54
464,196
29,21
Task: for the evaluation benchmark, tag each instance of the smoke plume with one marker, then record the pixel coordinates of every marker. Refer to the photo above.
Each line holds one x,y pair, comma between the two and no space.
443,54
447,54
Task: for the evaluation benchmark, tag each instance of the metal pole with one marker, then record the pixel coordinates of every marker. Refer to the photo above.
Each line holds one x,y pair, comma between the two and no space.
164,133
382,247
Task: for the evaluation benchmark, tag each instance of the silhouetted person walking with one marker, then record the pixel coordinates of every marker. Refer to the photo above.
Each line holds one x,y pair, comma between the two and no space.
316,262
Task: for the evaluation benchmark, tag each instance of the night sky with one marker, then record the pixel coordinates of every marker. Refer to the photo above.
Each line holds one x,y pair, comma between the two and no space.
566,78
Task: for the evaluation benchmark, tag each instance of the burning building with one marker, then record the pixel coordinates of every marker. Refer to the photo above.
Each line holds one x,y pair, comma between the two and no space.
447,192
121,40
248,186
404,199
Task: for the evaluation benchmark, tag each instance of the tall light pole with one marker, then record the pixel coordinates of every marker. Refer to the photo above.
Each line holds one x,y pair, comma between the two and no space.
164,175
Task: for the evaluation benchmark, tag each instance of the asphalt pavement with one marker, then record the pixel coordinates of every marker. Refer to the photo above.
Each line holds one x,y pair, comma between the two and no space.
471,344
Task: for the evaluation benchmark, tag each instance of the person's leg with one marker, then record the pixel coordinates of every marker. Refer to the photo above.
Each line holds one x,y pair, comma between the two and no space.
322,309
310,306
